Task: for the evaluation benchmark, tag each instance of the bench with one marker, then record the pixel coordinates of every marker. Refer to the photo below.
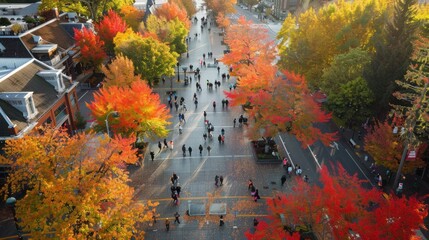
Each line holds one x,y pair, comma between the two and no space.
352,142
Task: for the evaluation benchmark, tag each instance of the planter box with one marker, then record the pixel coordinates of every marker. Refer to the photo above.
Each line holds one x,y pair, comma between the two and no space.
259,148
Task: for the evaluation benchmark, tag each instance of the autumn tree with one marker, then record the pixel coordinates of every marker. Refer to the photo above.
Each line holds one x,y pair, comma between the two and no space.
171,32
412,95
273,104
74,186
188,5
386,149
90,8
392,54
222,21
336,206
132,16
333,29
108,27
140,111
91,47
152,59
221,6
171,11
120,72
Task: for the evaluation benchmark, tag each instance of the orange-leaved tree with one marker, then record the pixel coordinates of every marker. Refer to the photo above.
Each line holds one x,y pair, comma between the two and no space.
170,11
91,47
386,148
221,6
120,72
132,16
108,27
75,186
274,104
222,21
140,111
339,204
188,5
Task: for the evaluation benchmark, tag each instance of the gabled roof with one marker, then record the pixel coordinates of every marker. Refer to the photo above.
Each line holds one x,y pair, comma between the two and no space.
13,115
51,33
25,79
14,48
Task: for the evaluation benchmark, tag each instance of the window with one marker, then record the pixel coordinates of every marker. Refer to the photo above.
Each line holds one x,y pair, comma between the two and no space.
60,113
72,100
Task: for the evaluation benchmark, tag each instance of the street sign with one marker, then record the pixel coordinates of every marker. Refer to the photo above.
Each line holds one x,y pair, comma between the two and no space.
411,155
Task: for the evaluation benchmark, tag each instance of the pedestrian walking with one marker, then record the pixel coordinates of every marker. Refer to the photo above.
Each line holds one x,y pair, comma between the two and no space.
173,189
289,170
176,218
221,180
214,105
256,195
152,155
159,146
180,128
171,145
190,151
184,150
175,200
178,189
285,163
252,191
167,224
216,180
283,179
219,138
201,149
222,138
205,136
222,131
208,149
255,222
205,115
221,222
165,143
298,170
218,70
305,178
235,121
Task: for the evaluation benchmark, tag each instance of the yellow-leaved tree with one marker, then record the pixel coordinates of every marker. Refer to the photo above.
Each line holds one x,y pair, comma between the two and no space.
120,72
75,186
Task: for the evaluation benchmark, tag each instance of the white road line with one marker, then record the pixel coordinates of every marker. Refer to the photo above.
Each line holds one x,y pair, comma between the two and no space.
314,156
204,156
83,95
369,180
287,152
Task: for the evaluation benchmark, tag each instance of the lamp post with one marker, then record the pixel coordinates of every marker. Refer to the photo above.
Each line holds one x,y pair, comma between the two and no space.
116,115
10,202
409,136
178,77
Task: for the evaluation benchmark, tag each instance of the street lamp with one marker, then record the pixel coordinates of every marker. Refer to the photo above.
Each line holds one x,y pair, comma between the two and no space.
10,202
409,135
115,115
178,77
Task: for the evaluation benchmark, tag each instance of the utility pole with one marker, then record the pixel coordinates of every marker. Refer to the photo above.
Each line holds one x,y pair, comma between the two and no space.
409,135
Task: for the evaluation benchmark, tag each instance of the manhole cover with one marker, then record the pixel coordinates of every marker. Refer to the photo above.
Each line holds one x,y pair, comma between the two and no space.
197,209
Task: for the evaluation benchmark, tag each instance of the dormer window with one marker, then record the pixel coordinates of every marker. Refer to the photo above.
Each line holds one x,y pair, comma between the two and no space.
53,77
23,101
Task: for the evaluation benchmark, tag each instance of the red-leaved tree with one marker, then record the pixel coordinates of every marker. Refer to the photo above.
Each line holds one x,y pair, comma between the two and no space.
336,206
91,47
107,29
